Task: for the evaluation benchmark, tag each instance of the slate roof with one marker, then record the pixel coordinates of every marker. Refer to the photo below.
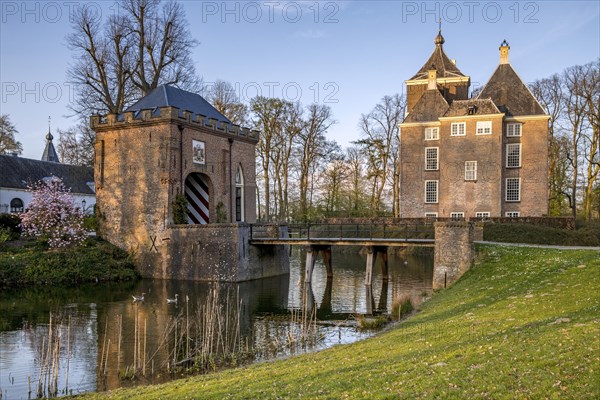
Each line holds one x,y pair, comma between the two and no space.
460,108
510,94
430,107
443,65
165,95
18,172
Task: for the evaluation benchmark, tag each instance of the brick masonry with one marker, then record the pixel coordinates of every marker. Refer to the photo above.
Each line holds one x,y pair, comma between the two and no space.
454,251
141,166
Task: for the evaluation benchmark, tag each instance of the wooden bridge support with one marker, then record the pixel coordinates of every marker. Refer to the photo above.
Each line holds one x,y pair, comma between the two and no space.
372,252
312,253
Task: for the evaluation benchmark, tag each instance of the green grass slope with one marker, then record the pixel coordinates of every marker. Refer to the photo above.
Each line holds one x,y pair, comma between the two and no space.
524,323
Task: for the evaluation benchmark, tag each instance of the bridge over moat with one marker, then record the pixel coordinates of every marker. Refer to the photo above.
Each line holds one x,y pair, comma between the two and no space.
452,243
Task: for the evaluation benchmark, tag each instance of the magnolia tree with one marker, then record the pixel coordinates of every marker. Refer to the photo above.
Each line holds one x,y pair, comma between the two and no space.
51,215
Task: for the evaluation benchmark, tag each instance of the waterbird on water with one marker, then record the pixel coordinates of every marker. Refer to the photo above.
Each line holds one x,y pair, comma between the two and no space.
138,298
172,301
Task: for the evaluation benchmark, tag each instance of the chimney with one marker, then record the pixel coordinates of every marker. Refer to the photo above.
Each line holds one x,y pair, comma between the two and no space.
504,48
432,78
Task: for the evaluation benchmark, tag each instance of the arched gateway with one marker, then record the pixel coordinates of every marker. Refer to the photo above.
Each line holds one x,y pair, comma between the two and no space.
197,194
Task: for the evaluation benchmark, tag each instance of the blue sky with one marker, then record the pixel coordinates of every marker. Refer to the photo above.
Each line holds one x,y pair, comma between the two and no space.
345,54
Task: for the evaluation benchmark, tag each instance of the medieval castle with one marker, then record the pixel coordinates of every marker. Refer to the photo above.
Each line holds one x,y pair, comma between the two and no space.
472,158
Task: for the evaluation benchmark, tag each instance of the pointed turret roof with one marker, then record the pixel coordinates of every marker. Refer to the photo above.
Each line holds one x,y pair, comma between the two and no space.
508,91
165,96
50,153
439,61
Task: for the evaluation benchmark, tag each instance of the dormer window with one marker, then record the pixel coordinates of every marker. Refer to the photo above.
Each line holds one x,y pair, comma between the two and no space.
472,110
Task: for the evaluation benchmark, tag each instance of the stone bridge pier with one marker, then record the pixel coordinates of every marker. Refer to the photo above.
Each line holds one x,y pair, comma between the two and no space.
454,250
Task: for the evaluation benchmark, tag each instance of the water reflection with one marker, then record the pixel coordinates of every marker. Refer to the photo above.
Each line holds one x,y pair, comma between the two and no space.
107,333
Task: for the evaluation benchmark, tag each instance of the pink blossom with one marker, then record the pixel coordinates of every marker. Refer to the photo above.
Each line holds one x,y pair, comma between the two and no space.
51,215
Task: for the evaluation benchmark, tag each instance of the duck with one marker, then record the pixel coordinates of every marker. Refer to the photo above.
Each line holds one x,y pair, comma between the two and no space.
172,301
138,298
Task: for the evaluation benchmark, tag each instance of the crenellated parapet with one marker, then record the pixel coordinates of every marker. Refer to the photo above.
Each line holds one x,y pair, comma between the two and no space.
173,115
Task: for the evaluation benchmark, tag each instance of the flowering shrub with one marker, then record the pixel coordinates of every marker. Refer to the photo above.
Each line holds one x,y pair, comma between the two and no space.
52,216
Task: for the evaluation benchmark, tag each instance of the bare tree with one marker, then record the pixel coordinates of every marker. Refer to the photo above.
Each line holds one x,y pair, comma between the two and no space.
549,92
574,125
268,119
591,93
76,145
332,179
312,148
222,96
8,143
380,130
354,158
123,58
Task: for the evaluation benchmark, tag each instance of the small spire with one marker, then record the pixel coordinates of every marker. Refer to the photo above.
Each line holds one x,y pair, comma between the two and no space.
439,39
49,135
50,153
504,48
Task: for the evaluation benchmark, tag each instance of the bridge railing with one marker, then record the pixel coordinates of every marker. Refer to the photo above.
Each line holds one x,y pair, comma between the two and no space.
345,231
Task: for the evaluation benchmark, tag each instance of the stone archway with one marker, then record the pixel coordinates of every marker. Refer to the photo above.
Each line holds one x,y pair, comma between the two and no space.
197,193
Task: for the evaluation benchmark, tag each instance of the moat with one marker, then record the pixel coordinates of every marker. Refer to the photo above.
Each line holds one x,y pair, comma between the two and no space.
269,318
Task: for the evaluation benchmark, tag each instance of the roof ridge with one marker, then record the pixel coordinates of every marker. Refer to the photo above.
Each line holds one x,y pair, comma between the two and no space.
166,94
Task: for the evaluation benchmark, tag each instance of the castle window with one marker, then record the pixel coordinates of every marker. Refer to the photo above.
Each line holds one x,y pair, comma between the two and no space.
239,195
432,133
484,127
431,215
513,155
513,130
470,170
431,158
512,214
457,216
431,191
458,129
482,214
513,189
16,206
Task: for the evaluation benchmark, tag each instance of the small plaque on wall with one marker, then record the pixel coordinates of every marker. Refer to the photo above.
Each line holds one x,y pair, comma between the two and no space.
198,152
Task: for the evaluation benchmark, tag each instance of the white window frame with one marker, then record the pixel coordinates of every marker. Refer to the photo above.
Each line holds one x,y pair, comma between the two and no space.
461,129
432,133
457,215
512,214
436,191
506,197
511,129
470,172
427,159
431,215
482,214
484,128
510,158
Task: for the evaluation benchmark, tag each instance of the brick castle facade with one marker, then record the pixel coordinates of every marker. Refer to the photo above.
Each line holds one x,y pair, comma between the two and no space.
472,157
171,143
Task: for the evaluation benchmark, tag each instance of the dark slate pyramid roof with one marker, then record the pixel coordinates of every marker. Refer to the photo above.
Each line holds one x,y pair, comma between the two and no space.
165,95
18,173
49,151
510,94
442,64
430,107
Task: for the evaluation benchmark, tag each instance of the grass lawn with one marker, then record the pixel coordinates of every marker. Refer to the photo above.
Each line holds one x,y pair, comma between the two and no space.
524,323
